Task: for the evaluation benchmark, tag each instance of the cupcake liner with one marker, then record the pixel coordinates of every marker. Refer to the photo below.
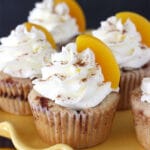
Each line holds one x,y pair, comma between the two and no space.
14,94
15,106
77,129
128,82
141,114
147,72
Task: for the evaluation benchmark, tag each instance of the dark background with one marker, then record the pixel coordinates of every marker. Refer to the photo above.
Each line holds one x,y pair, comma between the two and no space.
14,12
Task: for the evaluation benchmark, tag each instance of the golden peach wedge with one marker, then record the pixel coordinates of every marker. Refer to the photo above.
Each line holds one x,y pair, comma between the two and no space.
104,58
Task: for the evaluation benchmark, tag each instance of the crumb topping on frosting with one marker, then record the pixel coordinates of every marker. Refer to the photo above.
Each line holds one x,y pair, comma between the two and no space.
23,53
124,41
73,79
56,19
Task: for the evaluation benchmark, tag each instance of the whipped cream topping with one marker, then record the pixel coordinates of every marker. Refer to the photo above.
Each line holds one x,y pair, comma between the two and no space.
145,87
23,53
124,41
73,79
56,19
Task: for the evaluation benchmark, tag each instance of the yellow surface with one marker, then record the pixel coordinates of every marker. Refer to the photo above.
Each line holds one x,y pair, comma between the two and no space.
24,136
104,57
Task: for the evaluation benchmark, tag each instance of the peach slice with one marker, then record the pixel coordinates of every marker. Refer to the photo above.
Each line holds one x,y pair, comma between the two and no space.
76,12
103,56
141,23
49,37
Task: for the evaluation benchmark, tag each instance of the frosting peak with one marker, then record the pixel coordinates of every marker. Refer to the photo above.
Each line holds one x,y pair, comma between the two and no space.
74,79
55,18
21,36
62,9
124,41
23,53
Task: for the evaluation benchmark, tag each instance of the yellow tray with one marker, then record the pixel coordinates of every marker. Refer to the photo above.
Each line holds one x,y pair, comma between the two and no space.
22,132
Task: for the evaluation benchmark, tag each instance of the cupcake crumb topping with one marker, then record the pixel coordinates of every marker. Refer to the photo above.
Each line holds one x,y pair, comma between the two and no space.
74,80
125,42
23,52
56,19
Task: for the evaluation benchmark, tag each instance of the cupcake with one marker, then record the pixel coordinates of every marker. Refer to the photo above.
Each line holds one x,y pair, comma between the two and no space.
22,54
74,103
64,19
128,44
140,102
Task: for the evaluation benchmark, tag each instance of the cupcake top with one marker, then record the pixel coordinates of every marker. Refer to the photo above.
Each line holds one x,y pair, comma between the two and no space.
145,87
124,41
23,53
56,19
73,79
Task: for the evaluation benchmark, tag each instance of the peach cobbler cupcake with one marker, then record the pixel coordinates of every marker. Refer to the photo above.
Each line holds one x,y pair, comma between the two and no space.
76,99
22,54
130,45
140,102
64,19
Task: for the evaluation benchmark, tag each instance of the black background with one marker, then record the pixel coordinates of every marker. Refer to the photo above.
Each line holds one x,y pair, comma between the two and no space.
14,12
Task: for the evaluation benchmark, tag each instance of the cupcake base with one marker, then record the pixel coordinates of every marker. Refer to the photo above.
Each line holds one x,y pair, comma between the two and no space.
128,82
15,106
14,94
79,129
141,114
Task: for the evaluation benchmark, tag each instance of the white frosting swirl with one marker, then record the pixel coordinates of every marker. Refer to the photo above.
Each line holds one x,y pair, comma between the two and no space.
23,53
56,19
73,79
145,87
124,41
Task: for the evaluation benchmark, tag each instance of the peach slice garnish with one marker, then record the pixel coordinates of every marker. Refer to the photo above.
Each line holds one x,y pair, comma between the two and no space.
141,23
49,37
76,12
104,58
